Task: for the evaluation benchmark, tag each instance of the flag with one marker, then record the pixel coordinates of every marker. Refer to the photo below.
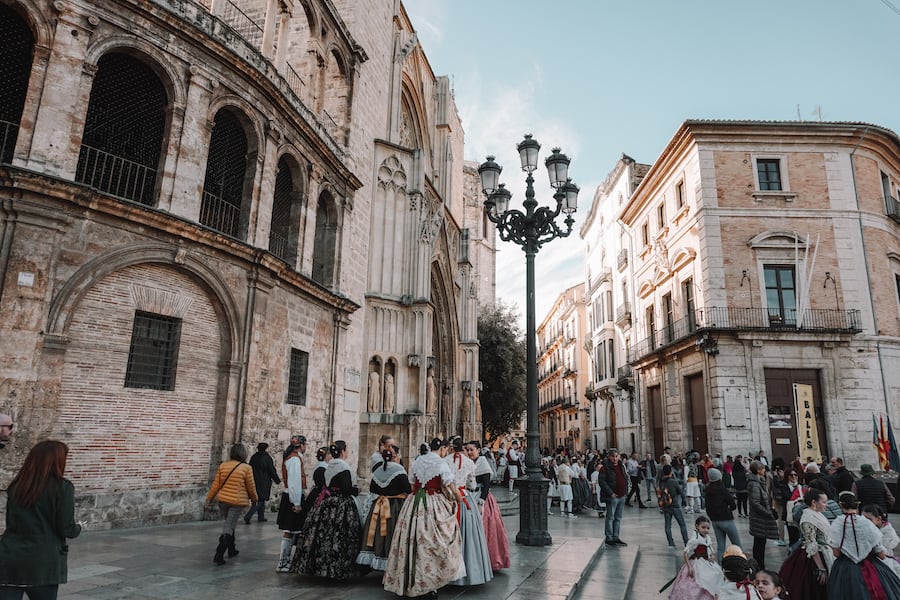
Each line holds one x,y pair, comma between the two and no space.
881,443
893,454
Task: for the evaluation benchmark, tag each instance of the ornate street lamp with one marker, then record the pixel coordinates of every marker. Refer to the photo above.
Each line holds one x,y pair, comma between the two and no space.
531,230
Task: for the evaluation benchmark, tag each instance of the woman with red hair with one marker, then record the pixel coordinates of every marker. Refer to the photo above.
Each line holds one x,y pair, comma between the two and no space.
40,515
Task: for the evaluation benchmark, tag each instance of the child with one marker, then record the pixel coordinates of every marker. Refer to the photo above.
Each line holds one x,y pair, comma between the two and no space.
889,538
701,576
736,569
769,586
692,489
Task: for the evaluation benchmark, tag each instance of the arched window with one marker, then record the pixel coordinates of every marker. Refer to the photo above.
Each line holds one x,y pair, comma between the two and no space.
325,245
222,207
287,209
123,131
336,97
16,53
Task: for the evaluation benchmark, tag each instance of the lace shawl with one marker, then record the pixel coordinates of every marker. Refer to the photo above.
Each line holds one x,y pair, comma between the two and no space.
855,536
463,469
334,468
889,538
429,466
482,467
383,476
814,529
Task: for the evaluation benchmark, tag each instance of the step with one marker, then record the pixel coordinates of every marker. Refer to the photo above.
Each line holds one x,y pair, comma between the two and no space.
610,575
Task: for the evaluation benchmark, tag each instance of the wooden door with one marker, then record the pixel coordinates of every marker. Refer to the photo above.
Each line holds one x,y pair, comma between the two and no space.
657,418
782,414
696,404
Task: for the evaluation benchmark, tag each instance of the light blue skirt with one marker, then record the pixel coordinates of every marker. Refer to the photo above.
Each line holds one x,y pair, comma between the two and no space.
475,553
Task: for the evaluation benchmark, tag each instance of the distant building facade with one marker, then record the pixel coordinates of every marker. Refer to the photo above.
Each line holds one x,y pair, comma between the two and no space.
563,373
766,269
221,225
614,414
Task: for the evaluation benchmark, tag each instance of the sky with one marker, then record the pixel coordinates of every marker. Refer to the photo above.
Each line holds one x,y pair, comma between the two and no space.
600,78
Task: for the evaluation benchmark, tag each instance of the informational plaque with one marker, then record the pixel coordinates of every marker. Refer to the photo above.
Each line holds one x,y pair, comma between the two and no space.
806,420
735,408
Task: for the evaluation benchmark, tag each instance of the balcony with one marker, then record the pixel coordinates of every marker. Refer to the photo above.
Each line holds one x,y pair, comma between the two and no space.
625,377
623,314
747,319
603,275
622,259
892,205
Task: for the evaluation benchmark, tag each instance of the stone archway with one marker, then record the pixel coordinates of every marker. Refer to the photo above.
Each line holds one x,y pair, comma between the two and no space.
444,344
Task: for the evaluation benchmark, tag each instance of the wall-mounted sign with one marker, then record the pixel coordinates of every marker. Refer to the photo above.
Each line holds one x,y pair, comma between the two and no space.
783,441
808,433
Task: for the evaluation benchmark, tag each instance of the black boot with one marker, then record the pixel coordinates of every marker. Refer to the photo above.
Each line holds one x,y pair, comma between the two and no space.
232,551
219,558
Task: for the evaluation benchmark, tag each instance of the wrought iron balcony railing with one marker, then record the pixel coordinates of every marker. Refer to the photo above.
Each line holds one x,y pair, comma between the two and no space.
747,319
893,208
623,314
116,176
622,259
8,133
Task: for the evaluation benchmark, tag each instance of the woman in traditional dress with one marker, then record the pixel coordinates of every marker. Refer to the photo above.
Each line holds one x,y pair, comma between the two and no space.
330,540
856,543
494,530
805,572
701,576
426,550
389,488
475,552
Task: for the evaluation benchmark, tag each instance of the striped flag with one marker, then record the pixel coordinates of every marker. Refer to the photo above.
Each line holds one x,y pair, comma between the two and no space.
893,454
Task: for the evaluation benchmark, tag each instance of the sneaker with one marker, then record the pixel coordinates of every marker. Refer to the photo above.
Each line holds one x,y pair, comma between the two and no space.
781,543
572,516
619,542
283,568
549,512
601,515
642,506
671,546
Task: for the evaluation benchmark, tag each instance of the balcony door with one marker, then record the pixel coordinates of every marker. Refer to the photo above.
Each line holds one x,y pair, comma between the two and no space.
781,295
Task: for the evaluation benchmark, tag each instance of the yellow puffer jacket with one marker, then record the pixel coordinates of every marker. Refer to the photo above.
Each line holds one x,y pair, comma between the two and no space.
238,490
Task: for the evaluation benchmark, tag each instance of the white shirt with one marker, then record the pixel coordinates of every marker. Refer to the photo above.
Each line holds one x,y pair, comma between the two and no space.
294,480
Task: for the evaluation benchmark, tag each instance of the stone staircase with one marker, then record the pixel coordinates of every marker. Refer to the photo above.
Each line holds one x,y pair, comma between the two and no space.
610,575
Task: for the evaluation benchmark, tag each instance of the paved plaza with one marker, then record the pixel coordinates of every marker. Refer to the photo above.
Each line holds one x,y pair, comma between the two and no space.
175,561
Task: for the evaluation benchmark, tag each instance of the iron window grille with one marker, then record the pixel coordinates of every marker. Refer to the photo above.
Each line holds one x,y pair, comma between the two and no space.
16,54
153,356
279,230
223,187
297,377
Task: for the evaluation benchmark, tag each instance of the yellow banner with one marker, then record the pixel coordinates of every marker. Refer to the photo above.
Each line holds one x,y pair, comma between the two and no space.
808,433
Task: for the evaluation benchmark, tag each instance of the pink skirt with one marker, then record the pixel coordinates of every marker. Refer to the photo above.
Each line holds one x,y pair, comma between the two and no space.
687,588
495,533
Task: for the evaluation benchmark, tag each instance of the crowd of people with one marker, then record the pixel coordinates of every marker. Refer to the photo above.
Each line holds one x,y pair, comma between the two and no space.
425,527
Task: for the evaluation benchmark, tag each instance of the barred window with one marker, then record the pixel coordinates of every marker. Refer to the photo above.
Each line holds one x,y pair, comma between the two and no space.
16,53
153,356
297,377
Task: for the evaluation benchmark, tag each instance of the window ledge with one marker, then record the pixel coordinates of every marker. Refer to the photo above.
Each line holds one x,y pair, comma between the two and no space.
662,233
760,195
645,251
682,212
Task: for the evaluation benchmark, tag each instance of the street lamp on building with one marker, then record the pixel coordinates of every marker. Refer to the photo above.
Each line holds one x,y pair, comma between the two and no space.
531,229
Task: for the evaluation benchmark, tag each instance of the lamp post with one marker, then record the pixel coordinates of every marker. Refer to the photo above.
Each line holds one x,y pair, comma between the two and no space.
531,229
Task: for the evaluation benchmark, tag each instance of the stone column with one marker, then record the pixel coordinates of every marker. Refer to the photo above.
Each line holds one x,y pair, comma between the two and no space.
268,41
308,237
284,40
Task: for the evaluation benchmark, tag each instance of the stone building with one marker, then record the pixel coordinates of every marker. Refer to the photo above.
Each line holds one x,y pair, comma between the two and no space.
219,221
766,274
614,410
563,373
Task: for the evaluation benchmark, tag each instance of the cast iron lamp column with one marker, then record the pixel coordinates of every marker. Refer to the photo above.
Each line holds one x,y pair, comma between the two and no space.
531,230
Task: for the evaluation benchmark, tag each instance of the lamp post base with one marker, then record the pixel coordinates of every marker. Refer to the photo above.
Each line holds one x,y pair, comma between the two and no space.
533,512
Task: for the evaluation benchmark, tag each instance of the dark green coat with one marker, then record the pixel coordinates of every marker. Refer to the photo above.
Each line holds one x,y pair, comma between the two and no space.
33,549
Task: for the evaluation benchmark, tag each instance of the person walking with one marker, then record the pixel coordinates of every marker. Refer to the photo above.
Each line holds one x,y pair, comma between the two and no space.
292,509
739,479
234,489
669,492
719,506
613,482
651,472
633,468
40,515
264,474
762,520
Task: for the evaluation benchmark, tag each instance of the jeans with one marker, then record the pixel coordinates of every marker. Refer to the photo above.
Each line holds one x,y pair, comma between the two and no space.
722,528
613,524
651,487
259,508
635,490
668,513
36,592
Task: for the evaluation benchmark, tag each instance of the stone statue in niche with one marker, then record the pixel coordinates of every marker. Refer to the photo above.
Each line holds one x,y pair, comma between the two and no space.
430,395
374,403
446,410
388,393
478,418
465,409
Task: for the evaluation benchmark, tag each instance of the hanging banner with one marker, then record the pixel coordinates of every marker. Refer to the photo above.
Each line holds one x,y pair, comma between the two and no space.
807,431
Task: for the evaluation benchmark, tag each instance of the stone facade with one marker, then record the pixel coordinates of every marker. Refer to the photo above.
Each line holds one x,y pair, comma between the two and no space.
765,274
564,373
280,208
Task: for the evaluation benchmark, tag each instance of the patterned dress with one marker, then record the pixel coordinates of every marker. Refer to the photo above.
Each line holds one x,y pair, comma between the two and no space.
389,488
704,584
426,550
330,540
475,553
798,571
494,529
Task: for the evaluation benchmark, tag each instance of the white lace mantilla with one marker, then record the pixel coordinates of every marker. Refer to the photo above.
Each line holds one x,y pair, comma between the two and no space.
463,469
383,476
335,467
429,466
482,466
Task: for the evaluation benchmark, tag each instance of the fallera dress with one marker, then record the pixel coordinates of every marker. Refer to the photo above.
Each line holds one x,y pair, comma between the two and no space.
475,553
857,572
799,570
389,488
494,529
707,578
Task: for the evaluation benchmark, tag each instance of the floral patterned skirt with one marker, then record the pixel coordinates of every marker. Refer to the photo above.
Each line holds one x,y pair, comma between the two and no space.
426,551
330,540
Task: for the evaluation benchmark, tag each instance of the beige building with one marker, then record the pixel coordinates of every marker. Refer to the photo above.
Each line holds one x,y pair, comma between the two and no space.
223,223
766,273
614,414
563,373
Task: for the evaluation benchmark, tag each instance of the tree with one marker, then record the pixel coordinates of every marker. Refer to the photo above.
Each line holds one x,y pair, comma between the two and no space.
501,366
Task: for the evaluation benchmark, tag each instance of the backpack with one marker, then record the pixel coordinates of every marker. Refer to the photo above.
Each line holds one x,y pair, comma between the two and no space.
664,497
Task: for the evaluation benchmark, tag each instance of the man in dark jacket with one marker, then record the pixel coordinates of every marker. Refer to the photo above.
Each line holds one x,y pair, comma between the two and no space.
843,479
264,474
613,481
719,504
872,491
673,487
